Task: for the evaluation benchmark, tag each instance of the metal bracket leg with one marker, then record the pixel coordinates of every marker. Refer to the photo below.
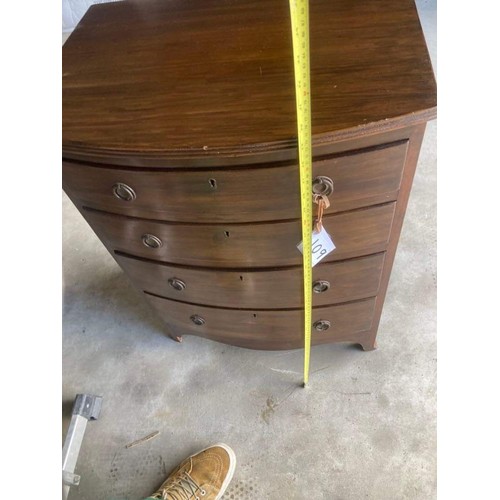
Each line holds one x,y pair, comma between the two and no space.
86,407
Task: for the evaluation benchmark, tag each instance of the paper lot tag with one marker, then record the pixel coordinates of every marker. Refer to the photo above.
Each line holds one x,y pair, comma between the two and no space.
322,245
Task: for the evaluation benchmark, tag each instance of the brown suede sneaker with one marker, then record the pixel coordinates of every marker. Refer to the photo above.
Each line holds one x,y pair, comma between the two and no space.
203,476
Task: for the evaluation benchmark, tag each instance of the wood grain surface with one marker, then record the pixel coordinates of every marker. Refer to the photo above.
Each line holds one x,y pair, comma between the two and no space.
361,178
191,104
356,233
183,79
265,329
272,289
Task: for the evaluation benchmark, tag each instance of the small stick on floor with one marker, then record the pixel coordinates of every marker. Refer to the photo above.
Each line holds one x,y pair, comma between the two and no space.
142,440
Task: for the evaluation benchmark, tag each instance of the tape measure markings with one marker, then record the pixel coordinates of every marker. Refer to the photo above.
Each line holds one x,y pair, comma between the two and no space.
299,13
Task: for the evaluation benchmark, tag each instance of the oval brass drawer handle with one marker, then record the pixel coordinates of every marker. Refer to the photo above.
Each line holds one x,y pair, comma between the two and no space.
321,286
197,320
322,185
177,284
124,192
151,241
322,325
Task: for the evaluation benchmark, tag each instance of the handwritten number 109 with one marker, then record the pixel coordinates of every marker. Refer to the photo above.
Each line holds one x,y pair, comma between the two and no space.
318,248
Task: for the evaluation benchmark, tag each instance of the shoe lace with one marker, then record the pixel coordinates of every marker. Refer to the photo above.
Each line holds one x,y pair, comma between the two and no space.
182,487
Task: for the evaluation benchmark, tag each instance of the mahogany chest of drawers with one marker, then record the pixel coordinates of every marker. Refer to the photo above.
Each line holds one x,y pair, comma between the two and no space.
179,149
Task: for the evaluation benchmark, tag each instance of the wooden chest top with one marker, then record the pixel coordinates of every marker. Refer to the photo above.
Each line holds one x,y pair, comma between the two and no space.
186,82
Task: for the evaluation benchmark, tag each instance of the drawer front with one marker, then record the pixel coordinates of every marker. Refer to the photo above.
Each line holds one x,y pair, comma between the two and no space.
258,329
356,233
246,195
334,282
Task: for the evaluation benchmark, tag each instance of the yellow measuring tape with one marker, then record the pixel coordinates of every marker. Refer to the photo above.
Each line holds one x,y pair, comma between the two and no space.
299,13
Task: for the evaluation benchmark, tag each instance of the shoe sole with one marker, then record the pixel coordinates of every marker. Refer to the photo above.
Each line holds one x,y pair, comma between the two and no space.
232,466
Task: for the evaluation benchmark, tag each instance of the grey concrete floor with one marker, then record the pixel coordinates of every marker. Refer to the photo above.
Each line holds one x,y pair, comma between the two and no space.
365,428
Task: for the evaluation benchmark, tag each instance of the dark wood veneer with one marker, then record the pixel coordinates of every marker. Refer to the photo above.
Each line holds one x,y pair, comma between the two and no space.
269,244
161,80
196,126
256,289
267,329
362,178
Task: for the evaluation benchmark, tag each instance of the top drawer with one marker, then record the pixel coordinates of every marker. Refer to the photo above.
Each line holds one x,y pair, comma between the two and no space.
361,178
